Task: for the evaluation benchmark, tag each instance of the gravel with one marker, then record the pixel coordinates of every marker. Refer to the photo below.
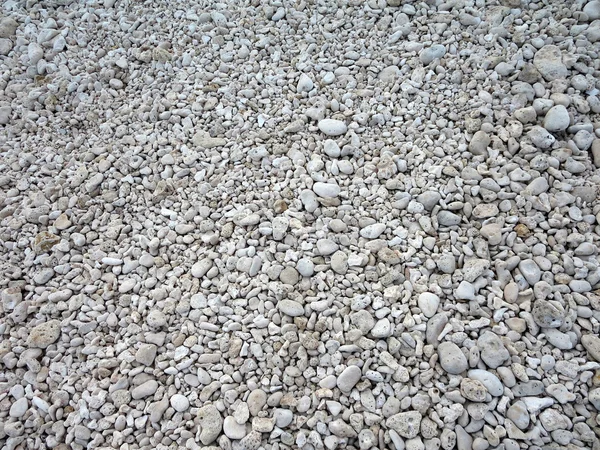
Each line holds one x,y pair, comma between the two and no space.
314,225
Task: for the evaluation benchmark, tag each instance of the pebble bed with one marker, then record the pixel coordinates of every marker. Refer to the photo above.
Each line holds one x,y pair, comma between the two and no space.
300,224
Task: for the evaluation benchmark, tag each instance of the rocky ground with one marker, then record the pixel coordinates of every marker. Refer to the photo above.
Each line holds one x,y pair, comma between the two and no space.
300,224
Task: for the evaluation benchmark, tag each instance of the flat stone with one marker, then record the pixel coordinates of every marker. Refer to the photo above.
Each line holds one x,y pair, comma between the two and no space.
62,222
592,9
145,354
305,267
331,148
144,390
492,232
518,413
332,127
548,314
19,408
435,326
595,147
341,429
465,291
446,263
540,137
429,199
594,398
283,417
305,84
203,139
289,275
436,51
339,262
528,388
200,268
348,378
382,329
485,211
44,241
580,286
326,247
326,190
290,308
530,270
558,338
241,413
252,441
448,219
373,231
363,320
561,393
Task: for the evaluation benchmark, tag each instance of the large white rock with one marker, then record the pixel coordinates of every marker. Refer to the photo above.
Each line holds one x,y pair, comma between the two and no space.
428,303
332,127
326,190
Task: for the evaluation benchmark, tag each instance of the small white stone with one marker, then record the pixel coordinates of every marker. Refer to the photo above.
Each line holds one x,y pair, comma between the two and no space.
331,148
180,402
305,84
200,268
348,378
19,408
232,429
373,231
428,303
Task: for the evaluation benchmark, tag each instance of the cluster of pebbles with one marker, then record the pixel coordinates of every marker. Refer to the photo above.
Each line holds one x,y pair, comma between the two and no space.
300,224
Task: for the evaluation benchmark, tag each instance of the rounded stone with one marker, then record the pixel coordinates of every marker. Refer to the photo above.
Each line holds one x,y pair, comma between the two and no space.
332,127
232,429
492,350
180,402
452,359
428,303
290,308
305,267
557,119
348,378
289,275
19,408
326,190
